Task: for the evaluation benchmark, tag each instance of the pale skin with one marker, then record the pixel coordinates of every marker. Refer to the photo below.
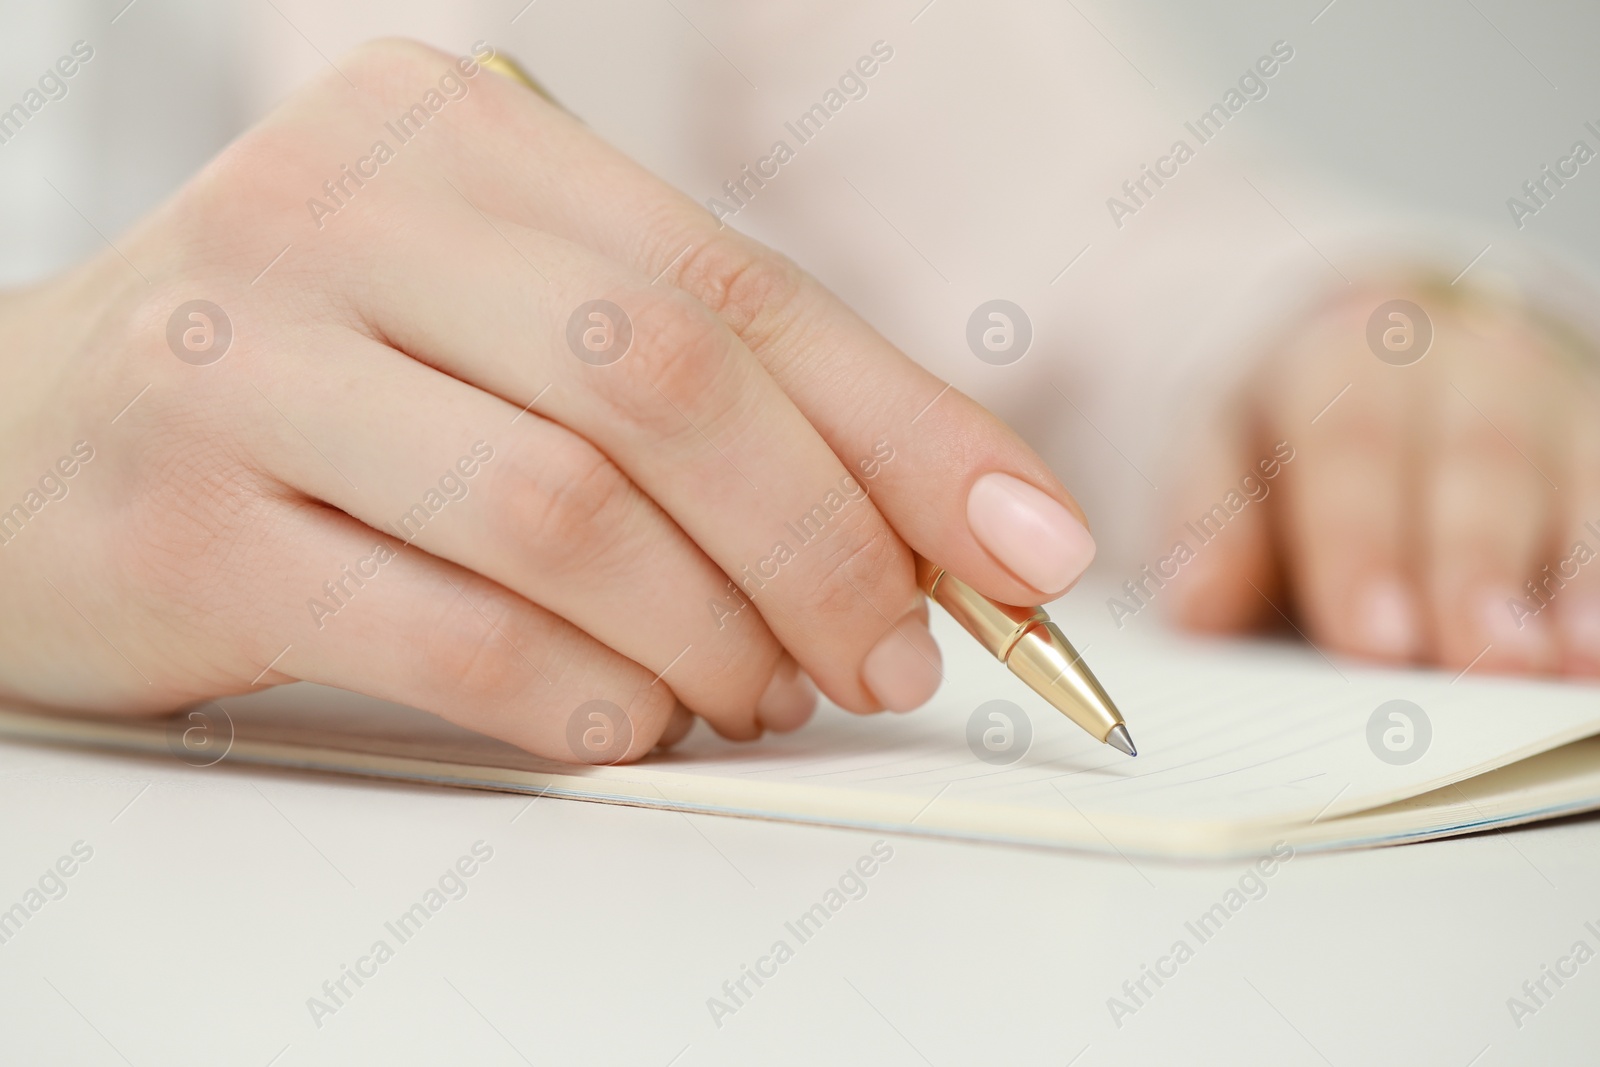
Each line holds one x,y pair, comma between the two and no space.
430,314
1422,501
421,332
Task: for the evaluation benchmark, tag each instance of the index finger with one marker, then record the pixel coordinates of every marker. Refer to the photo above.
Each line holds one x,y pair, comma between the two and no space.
955,482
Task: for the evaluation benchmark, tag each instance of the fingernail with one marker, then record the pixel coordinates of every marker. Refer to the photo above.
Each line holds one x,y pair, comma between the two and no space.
789,700
1522,638
1388,620
1034,537
902,670
1580,626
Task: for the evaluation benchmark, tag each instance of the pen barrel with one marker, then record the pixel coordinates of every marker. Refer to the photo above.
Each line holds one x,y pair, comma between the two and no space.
1051,667
1030,645
998,627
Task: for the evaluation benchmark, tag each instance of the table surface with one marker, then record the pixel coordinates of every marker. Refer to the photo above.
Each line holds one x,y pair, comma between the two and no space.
207,907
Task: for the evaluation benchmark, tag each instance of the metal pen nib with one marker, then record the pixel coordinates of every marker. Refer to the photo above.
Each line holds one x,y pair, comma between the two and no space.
1035,650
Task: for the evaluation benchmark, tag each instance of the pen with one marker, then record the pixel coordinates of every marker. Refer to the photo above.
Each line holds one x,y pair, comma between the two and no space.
1034,649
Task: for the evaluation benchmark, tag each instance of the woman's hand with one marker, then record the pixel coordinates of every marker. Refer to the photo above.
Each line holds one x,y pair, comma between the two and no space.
421,390
1442,502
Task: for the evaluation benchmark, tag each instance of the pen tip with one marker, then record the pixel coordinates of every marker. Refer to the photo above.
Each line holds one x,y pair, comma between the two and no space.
1118,738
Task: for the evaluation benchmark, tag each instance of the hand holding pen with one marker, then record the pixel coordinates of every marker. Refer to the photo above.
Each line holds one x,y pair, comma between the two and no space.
428,393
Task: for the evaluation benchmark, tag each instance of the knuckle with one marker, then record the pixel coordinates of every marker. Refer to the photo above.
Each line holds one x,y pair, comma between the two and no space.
748,286
861,559
568,504
278,161
1485,439
475,648
392,62
684,355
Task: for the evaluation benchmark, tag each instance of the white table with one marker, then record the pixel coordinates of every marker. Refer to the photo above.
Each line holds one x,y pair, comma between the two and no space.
217,901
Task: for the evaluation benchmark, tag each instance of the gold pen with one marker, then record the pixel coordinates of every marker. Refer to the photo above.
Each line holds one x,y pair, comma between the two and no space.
1034,649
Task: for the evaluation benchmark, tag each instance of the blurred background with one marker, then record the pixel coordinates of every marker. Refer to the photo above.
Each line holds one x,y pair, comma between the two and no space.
978,164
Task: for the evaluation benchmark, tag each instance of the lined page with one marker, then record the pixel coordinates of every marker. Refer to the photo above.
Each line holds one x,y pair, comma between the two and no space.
1238,741
1228,732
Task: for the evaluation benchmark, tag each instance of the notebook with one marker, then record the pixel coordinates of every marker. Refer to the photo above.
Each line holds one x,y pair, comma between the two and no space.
1243,745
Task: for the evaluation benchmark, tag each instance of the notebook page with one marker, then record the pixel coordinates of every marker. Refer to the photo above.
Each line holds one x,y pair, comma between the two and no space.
1237,741
1229,732
1563,781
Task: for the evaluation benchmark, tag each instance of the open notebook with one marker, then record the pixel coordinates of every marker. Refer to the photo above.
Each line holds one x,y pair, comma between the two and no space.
1241,745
